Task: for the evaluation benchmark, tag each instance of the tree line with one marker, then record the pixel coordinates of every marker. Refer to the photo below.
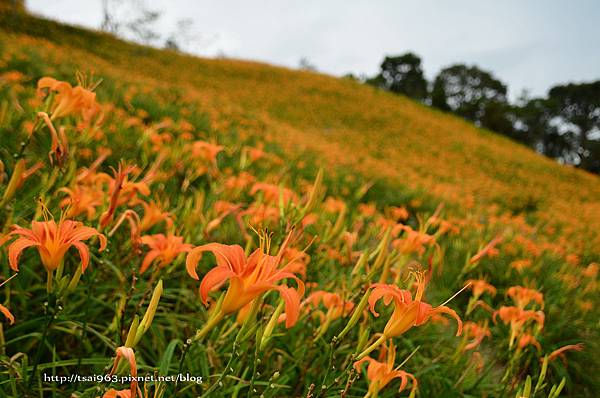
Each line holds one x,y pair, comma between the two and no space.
563,125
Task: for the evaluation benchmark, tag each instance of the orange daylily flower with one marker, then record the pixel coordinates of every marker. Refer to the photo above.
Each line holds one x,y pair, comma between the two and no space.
485,306
249,277
520,265
158,140
52,241
206,151
28,172
223,209
271,193
517,317
12,76
129,355
115,191
335,304
82,199
523,296
239,182
153,214
309,219
164,248
87,174
59,147
381,373
591,271
69,99
261,213
479,286
399,213
121,191
130,190
112,393
413,241
334,205
528,339
297,260
18,177
7,314
573,259
134,228
477,333
443,225
488,250
407,312
367,209
256,153
560,352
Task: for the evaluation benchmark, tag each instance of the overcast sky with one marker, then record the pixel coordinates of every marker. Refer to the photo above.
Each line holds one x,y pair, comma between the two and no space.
531,44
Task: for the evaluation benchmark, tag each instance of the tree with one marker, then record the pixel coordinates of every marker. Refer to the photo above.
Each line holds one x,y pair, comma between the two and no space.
402,74
130,19
306,64
474,94
576,110
532,121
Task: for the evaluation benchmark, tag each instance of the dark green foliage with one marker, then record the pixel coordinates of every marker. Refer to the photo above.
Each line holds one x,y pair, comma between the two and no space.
576,108
470,92
402,75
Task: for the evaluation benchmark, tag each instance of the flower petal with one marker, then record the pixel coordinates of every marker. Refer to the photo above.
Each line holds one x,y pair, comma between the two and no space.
231,256
84,253
213,278
7,314
152,254
292,304
442,309
15,249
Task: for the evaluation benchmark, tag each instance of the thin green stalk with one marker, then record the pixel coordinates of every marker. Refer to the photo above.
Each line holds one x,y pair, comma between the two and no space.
84,327
222,375
49,283
38,354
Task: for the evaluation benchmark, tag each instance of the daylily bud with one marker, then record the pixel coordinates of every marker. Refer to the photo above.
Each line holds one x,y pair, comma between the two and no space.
129,342
358,310
527,389
315,193
363,338
382,250
271,325
150,311
362,260
14,182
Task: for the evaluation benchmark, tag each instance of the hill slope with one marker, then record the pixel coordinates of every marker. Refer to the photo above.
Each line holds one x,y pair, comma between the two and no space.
388,136
221,144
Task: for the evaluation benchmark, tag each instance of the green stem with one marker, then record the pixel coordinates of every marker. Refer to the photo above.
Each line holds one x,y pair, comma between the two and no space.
372,347
38,354
208,326
329,365
222,375
254,366
84,327
49,282
200,334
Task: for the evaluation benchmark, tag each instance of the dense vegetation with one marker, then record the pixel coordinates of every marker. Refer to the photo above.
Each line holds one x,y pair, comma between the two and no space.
564,125
129,175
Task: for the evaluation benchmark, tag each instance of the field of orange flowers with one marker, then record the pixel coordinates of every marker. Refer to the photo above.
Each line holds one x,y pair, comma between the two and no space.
180,227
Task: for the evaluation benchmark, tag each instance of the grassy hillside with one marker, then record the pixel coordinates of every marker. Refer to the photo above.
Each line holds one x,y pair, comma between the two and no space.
409,197
388,136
